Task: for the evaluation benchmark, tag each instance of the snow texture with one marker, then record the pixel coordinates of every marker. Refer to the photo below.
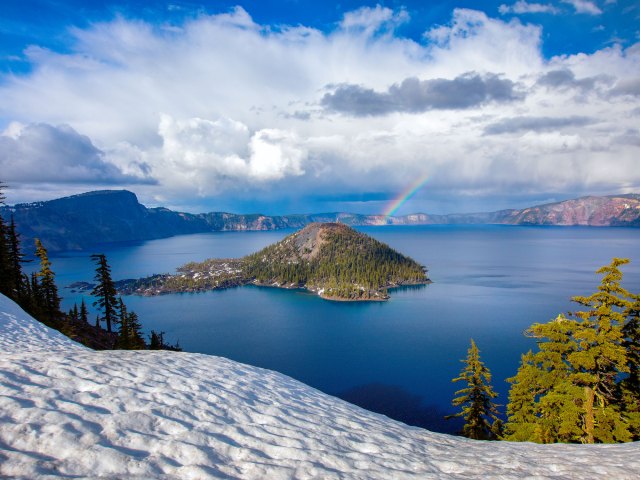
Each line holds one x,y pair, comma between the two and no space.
67,411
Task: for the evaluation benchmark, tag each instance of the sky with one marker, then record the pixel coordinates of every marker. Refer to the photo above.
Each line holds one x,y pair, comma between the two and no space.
297,106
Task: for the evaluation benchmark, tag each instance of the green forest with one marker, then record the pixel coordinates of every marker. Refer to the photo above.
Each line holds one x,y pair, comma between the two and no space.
347,264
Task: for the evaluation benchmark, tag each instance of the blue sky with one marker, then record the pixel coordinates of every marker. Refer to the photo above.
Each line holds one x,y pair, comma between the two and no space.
298,106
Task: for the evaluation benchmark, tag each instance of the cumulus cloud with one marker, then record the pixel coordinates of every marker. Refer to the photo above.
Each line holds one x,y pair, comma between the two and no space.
522,6
414,95
58,154
536,124
208,155
222,107
473,41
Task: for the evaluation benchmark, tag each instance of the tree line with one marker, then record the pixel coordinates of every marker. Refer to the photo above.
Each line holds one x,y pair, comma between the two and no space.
38,295
581,385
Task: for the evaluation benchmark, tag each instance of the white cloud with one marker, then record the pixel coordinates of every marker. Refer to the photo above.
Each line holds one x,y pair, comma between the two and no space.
584,6
209,155
371,20
220,105
275,154
522,6
472,41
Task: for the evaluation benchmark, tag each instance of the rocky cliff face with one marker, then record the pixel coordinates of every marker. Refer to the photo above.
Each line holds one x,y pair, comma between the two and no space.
623,210
83,221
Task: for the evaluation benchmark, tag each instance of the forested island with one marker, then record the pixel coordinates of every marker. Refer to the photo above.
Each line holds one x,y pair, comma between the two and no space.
331,259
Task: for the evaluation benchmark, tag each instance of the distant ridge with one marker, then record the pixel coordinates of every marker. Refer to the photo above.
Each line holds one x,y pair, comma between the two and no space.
82,221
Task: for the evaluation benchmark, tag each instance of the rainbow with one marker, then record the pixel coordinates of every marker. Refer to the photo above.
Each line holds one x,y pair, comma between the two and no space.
406,194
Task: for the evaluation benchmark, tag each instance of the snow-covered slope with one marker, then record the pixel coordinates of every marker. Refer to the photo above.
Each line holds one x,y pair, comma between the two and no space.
66,411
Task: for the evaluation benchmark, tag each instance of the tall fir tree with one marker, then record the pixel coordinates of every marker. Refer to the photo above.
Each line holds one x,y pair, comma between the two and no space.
50,301
124,335
6,277
16,259
630,386
84,313
135,332
475,400
105,292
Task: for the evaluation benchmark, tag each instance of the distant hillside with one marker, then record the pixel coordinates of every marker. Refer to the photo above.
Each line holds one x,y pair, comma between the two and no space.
331,259
83,221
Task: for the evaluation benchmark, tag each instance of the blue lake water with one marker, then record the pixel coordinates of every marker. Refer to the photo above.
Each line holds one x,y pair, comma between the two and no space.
397,357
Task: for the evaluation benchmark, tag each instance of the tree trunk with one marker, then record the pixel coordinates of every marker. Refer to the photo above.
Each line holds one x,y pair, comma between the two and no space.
589,420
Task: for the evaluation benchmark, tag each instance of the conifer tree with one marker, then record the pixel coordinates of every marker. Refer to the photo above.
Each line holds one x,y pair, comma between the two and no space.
6,277
48,288
476,398
124,335
105,291
136,341
84,313
522,409
16,258
630,386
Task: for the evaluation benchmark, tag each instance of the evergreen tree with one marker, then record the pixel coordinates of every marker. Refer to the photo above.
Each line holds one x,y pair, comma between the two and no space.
124,335
105,291
630,386
16,259
48,289
476,399
155,340
84,313
136,341
522,409
6,276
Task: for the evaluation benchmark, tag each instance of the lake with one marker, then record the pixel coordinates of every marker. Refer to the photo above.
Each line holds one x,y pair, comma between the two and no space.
396,357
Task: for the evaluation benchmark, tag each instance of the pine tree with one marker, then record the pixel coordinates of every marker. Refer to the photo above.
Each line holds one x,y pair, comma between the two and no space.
105,291
476,399
155,340
602,357
6,277
630,386
16,259
124,334
135,333
522,409
84,313
48,288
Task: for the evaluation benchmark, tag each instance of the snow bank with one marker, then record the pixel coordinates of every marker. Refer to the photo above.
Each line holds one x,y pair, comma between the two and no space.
66,411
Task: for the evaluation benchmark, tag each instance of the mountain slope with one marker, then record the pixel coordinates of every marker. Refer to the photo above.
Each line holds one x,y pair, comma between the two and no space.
336,261
142,414
83,221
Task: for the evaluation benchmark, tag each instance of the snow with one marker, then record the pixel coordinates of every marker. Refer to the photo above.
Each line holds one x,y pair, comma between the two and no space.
67,411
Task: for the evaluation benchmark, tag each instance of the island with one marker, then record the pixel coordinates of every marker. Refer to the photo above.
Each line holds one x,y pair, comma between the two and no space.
332,260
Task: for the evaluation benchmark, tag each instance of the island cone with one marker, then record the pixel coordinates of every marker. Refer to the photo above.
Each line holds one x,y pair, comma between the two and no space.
335,261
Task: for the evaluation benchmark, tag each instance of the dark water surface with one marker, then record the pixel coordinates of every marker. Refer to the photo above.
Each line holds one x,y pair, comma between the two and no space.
398,357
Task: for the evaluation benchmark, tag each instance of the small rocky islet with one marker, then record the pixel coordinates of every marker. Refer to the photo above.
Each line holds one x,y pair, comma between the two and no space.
332,260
